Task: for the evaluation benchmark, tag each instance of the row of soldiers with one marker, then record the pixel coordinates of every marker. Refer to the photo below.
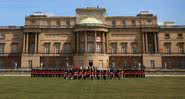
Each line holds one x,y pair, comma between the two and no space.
88,74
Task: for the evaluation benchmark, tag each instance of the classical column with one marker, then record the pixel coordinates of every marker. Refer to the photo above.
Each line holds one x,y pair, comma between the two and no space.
27,41
146,42
155,39
77,49
36,41
107,46
103,43
85,42
143,42
24,42
95,42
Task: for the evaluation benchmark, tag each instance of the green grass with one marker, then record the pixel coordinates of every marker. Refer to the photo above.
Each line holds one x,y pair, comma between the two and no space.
57,88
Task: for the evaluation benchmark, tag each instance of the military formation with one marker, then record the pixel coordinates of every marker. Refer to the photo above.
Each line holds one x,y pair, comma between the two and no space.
77,74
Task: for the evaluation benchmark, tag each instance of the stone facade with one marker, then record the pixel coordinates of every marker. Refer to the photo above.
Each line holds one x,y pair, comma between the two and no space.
92,38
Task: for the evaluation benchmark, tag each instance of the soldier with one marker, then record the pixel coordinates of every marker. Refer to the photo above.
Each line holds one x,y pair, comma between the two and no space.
85,75
104,74
97,75
91,75
111,74
65,74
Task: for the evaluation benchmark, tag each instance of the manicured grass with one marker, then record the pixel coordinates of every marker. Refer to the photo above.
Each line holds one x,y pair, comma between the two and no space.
57,88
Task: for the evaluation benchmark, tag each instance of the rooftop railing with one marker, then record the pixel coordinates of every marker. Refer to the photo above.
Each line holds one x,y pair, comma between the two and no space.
11,27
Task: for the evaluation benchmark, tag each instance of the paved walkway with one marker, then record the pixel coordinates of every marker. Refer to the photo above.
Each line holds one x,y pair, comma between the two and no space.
165,75
16,75
21,75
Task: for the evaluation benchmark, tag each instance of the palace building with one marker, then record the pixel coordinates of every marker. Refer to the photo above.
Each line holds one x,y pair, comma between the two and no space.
92,38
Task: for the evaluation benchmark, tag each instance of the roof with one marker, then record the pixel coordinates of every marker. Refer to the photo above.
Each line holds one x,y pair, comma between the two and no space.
90,21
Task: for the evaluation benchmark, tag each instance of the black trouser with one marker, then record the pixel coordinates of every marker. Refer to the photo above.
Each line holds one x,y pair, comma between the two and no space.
98,77
104,77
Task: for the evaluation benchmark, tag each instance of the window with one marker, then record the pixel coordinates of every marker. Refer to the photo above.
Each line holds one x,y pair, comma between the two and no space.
152,64
180,47
123,23
133,23
149,21
124,48
114,48
2,64
125,64
68,23
33,22
90,37
58,23
167,36
14,48
14,64
2,35
48,22
167,48
82,47
47,48
2,48
57,48
134,48
56,63
67,48
90,47
98,38
15,36
179,36
113,23
182,63
31,48
98,47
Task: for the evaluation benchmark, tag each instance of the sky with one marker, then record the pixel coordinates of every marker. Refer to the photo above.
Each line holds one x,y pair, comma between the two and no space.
13,12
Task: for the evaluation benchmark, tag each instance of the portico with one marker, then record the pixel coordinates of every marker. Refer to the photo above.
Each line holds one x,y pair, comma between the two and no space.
90,43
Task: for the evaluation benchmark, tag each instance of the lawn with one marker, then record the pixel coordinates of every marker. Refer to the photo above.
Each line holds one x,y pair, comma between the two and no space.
57,88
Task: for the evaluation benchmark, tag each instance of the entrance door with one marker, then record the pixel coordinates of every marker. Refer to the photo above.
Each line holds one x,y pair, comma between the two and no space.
90,63
100,66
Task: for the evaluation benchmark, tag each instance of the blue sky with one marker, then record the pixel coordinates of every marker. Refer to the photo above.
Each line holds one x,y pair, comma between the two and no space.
13,12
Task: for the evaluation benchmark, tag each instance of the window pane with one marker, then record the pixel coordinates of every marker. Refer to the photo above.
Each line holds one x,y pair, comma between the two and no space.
90,47
1,48
67,48
123,23
14,48
47,48
113,23
167,48
114,48
98,47
124,48
57,48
